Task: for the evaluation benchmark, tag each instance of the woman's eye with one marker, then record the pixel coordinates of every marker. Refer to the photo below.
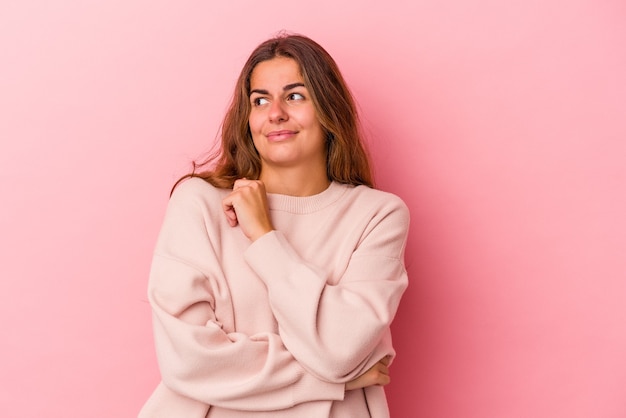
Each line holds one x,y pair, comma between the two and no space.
295,96
259,101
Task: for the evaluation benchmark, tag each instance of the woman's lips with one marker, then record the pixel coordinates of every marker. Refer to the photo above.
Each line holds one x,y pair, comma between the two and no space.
276,136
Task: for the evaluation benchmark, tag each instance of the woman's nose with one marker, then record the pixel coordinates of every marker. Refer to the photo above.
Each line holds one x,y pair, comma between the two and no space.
277,112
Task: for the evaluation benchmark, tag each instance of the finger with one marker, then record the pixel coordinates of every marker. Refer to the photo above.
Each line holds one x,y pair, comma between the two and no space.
253,184
231,216
382,369
380,378
385,380
386,360
242,182
229,210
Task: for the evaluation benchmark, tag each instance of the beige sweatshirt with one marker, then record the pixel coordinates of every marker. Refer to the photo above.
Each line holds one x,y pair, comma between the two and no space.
276,327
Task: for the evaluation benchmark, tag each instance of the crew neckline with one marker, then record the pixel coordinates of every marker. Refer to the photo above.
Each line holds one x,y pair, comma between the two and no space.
306,204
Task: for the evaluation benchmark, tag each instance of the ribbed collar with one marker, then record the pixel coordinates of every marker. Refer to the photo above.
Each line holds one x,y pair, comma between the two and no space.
307,204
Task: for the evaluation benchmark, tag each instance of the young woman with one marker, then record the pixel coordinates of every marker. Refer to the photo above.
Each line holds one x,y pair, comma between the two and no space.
279,269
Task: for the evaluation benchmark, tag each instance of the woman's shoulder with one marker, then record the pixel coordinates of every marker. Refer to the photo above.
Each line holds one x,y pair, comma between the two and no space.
376,204
195,186
376,197
196,189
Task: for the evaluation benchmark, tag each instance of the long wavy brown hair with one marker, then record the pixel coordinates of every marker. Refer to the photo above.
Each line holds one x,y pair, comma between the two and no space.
347,160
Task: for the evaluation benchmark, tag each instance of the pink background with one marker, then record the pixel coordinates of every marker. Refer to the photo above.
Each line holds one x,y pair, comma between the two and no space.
501,124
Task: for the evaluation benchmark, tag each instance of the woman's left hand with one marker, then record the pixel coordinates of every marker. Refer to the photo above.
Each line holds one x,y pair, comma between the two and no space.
247,207
378,374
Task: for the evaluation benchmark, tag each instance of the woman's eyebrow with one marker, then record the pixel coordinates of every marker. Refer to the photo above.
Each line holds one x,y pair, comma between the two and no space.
259,91
287,87
293,86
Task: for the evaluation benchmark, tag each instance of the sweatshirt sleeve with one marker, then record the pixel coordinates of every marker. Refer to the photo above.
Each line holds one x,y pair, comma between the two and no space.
197,357
338,331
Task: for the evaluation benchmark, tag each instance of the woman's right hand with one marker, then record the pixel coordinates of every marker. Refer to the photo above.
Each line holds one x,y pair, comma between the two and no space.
247,207
378,374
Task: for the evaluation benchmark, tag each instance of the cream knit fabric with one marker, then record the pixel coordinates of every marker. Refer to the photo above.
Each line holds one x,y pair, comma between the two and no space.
276,327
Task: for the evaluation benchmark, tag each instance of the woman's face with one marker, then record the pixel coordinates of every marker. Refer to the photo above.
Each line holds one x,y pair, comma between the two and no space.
284,125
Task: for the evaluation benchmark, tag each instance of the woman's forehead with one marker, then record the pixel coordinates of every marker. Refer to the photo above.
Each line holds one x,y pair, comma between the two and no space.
277,73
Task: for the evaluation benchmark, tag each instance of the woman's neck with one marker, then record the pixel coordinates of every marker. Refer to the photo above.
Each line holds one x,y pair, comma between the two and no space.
294,181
